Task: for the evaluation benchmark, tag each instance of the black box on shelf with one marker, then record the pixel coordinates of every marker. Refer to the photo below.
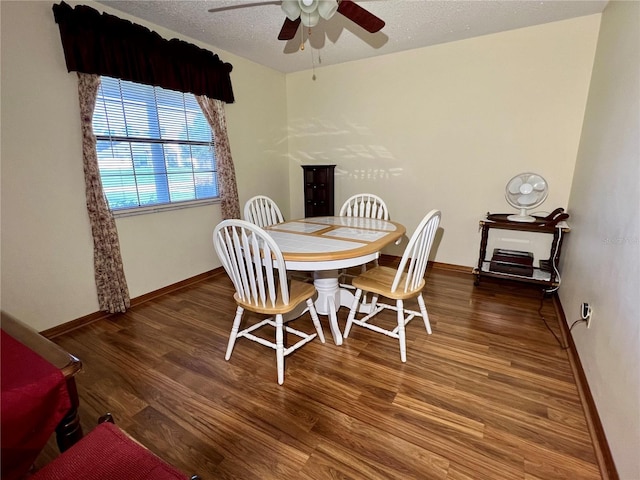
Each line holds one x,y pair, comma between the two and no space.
512,256
546,265
514,262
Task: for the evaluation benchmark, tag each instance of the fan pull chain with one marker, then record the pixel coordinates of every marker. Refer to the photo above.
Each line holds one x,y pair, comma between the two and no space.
302,38
313,65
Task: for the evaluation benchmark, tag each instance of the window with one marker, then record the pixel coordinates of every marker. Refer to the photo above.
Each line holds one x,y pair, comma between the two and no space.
155,147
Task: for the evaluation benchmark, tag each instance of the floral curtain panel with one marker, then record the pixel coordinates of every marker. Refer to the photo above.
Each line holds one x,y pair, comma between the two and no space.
113,293
213,111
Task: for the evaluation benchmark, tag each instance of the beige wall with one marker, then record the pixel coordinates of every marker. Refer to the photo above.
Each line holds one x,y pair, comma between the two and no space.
46,249
447,126
602,261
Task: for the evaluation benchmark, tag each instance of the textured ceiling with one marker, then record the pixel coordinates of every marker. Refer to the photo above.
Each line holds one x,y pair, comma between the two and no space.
251,30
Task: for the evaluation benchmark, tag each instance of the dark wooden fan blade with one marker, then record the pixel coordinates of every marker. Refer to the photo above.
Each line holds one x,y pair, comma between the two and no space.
244,5
289,29
360,16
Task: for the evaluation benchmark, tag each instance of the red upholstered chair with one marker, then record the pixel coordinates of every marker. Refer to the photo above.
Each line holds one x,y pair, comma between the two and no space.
107,453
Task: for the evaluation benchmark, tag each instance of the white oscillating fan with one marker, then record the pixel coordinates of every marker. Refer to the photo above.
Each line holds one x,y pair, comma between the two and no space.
525,191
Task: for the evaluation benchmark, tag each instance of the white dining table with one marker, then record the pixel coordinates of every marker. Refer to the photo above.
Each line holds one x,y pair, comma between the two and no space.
324,246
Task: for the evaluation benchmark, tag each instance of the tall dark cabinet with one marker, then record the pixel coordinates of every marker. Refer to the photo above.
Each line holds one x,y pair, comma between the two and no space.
318,190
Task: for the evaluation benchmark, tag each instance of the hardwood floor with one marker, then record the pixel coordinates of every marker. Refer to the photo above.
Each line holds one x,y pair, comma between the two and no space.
489,395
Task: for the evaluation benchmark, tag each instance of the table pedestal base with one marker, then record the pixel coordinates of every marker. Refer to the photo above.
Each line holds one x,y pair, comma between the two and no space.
331,297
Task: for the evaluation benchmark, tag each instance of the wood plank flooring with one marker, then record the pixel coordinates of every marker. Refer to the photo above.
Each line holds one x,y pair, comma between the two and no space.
489,395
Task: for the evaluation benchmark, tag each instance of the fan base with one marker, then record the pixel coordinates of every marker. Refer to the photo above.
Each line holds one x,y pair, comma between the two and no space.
521,218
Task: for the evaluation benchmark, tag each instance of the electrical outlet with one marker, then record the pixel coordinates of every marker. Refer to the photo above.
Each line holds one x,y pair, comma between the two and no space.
586,312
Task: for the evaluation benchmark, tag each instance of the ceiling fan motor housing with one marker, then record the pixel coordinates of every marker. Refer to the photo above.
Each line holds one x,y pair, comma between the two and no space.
309,11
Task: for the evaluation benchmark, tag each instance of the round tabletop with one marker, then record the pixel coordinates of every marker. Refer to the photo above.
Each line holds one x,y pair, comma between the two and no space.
323,243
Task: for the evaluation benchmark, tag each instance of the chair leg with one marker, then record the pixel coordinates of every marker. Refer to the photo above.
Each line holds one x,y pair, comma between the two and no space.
280,348
364,269
352,312
234,332
374,302
315,319
425,315
401,331
107,417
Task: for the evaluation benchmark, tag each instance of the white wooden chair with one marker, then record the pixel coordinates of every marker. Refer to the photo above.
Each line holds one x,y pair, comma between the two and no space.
404,283
365,205
257,269
262,211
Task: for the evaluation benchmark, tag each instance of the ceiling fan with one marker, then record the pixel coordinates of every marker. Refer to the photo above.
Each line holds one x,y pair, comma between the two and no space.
309,12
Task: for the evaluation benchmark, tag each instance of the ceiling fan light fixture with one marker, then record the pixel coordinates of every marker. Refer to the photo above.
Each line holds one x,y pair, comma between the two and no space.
308,12
327,8
308,6
291,9
310,19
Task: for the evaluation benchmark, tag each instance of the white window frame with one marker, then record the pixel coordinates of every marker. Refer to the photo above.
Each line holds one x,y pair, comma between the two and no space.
159,159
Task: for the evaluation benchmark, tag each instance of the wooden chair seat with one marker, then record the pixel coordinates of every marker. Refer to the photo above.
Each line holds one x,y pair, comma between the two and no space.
379,280
298,293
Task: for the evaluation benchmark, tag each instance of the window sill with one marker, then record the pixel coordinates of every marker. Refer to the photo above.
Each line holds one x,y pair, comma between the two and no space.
129,212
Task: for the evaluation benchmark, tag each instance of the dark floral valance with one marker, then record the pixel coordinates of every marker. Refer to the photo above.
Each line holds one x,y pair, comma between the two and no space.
102,44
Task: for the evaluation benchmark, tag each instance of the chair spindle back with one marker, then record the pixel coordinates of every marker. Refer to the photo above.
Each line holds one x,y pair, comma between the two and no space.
365,205
416,254
262,211
253,261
